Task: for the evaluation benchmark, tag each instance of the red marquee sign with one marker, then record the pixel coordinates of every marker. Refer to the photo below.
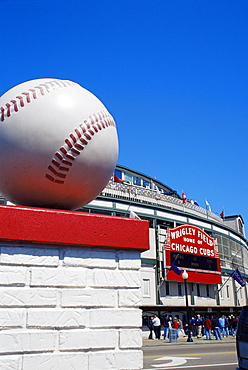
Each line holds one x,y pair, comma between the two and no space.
189,248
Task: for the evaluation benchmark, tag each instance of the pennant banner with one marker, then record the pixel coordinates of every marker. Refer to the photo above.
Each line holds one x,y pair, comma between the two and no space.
176,269
236,275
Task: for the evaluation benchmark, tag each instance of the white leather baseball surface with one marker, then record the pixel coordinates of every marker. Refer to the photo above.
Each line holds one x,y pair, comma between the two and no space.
58,144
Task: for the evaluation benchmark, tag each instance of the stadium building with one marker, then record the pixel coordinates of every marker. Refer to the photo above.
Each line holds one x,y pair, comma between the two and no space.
211,287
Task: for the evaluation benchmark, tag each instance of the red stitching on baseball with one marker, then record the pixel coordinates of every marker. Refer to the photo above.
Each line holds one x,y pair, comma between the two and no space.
34,93
64,161
25,97
85,142
59,156
103,120
15,105
75,151
68,143
91,131
2,113
21,100
87,136
8,110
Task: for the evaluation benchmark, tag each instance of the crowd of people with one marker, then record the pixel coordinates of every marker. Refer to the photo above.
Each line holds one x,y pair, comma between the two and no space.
200,326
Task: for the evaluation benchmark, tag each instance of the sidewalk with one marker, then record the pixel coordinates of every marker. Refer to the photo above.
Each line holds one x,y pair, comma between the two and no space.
183,340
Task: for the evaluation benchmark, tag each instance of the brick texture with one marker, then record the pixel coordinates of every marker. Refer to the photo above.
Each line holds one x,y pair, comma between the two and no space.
69,308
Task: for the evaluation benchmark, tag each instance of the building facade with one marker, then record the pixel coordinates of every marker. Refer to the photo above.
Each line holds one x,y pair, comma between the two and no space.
131,193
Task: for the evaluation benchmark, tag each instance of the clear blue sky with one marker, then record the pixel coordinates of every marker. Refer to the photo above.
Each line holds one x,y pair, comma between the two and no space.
173,73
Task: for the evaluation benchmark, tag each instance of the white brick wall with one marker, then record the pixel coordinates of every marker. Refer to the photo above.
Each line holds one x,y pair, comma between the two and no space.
69,308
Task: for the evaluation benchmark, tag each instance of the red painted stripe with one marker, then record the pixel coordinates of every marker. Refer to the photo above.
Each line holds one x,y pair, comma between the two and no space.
72,229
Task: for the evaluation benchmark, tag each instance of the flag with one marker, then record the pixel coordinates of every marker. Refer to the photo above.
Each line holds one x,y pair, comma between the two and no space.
155,188
236,275
195,203
133,215
222,214
116,179
184,198
175,269
208,206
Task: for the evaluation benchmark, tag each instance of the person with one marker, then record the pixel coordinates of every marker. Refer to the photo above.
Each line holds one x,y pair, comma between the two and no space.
226,330
222,325
156,326
180,329
166,324
175,325
234,325
208,328
199,323
150,327
230,320
216,327
193,325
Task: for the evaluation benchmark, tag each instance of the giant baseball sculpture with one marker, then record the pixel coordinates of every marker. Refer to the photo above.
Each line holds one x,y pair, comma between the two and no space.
58,144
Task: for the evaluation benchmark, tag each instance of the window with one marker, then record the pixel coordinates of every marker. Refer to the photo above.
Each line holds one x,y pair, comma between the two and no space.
208,291
146,287
221,291
167,288
146,184
179,289
198,287
118,173
137,180
128,177
227,291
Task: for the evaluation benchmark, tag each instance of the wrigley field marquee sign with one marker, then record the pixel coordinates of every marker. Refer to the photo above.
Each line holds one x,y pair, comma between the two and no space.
189,248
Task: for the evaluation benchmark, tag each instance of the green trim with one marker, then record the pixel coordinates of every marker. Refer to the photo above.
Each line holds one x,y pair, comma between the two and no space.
151,261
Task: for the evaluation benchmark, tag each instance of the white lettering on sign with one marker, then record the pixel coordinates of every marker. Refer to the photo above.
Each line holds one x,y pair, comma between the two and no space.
184,248
183,231
206,252
205,238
